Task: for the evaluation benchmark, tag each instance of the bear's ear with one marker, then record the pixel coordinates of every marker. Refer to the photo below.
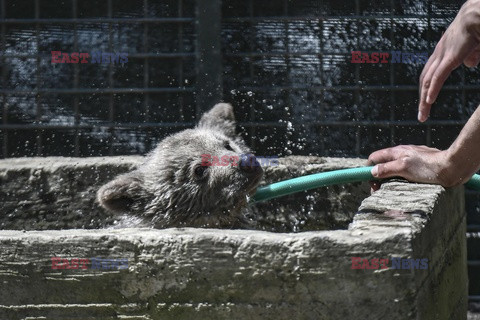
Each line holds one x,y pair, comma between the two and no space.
120,194
220,117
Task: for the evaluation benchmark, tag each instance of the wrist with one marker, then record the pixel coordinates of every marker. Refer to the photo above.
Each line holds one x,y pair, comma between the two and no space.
454,169
471,17
446,165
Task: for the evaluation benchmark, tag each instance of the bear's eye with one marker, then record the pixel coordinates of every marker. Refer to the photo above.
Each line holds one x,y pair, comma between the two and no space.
228,146
200,171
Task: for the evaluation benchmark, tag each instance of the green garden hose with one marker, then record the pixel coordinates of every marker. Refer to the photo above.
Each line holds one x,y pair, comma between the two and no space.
474,183
324,179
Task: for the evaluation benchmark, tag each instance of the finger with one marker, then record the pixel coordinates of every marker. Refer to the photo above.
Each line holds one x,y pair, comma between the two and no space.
396,168
438,79
386,155
424,107
426,69
432,58
435,57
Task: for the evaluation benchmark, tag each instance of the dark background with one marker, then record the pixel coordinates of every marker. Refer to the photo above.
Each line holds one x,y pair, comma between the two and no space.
285,65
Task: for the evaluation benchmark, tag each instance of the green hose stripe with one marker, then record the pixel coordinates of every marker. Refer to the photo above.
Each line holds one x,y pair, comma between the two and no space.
474,183
312,181
324,179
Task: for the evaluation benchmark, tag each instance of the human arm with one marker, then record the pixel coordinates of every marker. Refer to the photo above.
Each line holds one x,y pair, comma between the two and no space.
450,167
460,43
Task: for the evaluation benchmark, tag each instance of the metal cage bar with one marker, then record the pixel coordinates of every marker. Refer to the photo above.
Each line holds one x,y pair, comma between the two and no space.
111,110
393,101
76,72
251,131
357,83
3,80
38,117
98,20
146,68
180,64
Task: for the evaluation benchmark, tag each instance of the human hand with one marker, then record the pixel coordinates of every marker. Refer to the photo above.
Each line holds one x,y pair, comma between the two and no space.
460,43
414,163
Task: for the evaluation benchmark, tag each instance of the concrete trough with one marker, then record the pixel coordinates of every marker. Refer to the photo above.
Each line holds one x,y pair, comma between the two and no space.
297,265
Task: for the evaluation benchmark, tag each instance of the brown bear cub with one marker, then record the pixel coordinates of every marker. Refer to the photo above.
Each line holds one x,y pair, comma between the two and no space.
175,187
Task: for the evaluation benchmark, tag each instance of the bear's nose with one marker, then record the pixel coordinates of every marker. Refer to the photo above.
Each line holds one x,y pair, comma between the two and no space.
249,164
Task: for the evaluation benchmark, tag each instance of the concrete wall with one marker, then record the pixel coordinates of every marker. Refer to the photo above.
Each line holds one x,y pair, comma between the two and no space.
59,193
236,274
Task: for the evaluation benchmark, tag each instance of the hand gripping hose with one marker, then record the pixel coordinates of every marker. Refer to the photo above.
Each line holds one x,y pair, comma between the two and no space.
324,179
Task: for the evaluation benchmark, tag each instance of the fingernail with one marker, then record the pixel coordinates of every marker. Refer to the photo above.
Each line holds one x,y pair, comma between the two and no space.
429,100
421,116
375,171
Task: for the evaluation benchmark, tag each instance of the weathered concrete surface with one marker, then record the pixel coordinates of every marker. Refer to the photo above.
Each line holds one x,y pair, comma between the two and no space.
437,221
206,274
56,192
240,274
59,193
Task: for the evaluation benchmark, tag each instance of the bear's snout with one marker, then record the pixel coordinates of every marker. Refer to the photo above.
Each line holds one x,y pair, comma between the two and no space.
249,164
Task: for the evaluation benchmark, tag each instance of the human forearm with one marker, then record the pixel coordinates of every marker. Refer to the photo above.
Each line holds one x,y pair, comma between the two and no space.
463,156
460,43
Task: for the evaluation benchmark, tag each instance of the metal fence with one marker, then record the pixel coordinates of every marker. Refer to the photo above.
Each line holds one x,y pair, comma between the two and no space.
94,109
285,65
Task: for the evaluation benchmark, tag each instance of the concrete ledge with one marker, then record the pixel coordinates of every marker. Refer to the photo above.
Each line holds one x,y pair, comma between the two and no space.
437,220
59,193
245,274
